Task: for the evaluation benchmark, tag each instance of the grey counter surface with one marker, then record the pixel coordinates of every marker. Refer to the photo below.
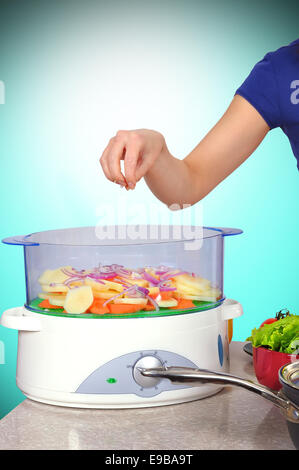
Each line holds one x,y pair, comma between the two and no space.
231,419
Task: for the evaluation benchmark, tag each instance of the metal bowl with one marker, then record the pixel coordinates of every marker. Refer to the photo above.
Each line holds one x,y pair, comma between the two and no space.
289,379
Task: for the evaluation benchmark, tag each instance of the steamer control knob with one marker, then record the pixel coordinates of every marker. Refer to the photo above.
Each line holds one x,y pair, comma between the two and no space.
146,362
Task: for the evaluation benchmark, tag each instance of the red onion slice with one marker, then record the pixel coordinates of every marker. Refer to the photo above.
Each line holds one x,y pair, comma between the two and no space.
171,275
152,280
160,270
144,290
135,291
73,273
166,286
95,279
72,279
117,295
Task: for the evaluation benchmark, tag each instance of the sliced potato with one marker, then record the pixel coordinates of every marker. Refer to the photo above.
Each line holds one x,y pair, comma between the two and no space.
137,282
55,275
107,285
154,290
76,284
214,292
105,294
58,300
195,289
167,303
55,288
78,300
43,295
45,278
195,282
130,300
183,291
58,276
203,298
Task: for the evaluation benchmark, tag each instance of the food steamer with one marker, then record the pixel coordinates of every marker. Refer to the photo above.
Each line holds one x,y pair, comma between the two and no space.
96,360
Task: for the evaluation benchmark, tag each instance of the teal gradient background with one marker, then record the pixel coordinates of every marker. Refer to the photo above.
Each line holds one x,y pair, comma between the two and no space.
77,71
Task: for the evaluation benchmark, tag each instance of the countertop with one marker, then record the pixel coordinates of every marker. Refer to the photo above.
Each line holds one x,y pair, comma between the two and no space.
231,419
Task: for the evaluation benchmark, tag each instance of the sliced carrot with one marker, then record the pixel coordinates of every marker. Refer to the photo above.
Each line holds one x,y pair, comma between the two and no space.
125,308
149,307
46,304
166,295
98,308
184,303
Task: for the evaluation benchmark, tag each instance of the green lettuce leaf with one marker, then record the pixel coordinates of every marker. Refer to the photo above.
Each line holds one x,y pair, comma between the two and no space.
282,335
293,347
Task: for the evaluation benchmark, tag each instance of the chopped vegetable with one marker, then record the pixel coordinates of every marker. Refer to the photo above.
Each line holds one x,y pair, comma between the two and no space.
131,301
123,308
98,308
182,303
99,289
79,299
165,295
281,335
149,308
46,304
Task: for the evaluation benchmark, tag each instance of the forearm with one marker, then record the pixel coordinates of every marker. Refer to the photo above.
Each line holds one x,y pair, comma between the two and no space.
178,182
223,149
171,181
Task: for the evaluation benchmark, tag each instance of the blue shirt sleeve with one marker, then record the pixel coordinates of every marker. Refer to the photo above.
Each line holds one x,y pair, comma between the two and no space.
261,91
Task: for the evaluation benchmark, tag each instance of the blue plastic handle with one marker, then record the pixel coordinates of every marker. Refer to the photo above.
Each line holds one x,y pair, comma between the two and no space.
229,232
226,231
19,240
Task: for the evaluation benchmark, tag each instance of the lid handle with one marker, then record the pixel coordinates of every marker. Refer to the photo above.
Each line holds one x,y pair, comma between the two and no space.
228,231
19,240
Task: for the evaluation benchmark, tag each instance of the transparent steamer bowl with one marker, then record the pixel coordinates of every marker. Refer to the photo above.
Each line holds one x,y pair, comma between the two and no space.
197,250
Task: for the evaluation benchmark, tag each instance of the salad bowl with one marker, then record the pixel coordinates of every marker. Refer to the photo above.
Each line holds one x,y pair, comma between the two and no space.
275,343
267,364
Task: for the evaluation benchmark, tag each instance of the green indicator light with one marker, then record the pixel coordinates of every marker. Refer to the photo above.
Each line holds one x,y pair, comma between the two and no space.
111,380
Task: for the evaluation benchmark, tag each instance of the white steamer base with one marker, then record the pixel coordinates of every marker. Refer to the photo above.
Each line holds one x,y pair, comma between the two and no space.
90,363
126,401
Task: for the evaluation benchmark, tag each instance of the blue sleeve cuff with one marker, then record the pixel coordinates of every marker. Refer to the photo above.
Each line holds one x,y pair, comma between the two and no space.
257,107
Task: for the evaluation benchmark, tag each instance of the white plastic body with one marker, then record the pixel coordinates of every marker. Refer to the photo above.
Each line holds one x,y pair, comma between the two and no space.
56,354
